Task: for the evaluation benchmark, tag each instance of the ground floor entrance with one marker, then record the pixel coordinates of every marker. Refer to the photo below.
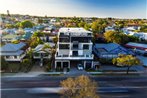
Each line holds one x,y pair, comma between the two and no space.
62,64
73,63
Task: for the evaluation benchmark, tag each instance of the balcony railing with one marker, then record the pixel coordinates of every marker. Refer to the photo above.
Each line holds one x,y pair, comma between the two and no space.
72,57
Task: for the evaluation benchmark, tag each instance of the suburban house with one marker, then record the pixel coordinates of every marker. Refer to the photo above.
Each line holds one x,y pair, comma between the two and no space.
141,35
137,47
43,51
109,50
109,28
13,52
74,46
10,37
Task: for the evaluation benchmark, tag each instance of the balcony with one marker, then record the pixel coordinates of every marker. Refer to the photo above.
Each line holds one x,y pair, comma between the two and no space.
74,57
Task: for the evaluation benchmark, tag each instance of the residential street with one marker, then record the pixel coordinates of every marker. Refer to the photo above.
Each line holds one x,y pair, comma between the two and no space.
131,86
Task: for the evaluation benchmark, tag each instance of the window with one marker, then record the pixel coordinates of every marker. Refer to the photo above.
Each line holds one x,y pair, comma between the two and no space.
63,46
75,46
75,53
7,57
15,57
85,46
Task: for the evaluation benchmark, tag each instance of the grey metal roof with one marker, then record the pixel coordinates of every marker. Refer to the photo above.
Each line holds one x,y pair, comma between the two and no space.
108,47
113,48
12,47
40,47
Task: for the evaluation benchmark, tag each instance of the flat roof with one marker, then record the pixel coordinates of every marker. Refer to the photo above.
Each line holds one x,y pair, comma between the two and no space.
74,30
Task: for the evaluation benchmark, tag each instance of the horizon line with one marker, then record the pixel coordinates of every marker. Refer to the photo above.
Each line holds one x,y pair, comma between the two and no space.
72,16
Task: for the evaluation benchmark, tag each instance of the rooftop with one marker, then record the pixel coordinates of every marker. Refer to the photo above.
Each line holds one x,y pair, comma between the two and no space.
12,47
137,45
73,30
10,36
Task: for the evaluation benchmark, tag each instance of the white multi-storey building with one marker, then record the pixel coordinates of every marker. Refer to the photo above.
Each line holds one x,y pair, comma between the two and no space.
74,47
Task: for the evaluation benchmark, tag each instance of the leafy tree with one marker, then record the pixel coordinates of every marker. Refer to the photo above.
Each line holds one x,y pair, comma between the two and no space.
81,24
55,40
132,38
99,25
26,24
79,87
15,42
26,62
143,28
34,41
120,25
40,20
4,64
115,37
87,26
126,60
9,26
38,34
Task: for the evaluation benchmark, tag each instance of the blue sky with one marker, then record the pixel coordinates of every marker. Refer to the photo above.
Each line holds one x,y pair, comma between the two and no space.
87,8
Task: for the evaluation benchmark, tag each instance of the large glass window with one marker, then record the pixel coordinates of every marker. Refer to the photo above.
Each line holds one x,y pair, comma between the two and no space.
15,57
7,57
63,46
85,46
75,46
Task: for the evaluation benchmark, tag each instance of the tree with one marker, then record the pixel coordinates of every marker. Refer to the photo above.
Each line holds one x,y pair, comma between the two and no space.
26,62
36,39
55,40
4,64
87,26
15,41
81,24
99,25
115,37
126,60
143,28
79,87
9,26
26,24
120,25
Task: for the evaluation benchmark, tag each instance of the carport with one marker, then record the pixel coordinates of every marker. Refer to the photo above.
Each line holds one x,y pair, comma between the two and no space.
62,64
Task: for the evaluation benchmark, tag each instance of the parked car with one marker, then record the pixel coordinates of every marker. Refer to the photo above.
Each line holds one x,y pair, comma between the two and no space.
80,67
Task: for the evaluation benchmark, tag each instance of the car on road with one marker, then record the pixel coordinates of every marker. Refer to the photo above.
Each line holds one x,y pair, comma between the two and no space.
80,67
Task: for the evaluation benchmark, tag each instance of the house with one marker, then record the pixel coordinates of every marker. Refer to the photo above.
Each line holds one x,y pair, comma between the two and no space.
141,35
10,37
42,51
74,46
26,36
10,31
109,50
13,52
109,28
137,47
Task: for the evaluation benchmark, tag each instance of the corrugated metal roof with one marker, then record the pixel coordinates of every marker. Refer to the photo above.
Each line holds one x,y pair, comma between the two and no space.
12,47
108,47
40,47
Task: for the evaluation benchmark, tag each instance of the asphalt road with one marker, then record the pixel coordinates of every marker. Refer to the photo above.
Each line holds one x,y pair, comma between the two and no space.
108,86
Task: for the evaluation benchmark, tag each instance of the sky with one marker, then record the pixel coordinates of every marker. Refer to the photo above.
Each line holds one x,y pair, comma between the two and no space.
80,8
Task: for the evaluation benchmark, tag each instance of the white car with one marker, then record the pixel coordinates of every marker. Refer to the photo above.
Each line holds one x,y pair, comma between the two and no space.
80,67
